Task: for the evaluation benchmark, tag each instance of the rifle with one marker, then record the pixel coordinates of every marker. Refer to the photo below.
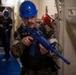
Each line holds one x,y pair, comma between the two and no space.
37,34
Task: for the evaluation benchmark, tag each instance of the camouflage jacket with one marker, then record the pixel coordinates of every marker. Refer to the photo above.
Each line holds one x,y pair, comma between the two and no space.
17,48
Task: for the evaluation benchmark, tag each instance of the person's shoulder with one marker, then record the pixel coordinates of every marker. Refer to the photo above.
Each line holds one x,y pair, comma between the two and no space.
1,16
48,28
41,25
9,18
20,28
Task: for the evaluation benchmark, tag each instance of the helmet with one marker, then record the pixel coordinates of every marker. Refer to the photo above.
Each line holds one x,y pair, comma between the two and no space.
27,9
6,13
46,19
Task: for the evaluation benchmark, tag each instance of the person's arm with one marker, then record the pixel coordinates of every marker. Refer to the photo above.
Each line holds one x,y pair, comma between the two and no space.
17,49
1,23
19,45
10,25
50,33
50,36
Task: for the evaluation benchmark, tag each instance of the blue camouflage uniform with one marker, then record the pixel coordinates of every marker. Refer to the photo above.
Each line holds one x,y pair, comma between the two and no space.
5,36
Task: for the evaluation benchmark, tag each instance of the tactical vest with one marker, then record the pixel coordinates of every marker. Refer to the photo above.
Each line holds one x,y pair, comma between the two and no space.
38,61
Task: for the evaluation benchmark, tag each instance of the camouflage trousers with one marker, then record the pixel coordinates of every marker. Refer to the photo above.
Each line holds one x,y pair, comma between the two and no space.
36,72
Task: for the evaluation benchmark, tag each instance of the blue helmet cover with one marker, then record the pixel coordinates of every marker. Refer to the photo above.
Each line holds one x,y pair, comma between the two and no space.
6,13
27,9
